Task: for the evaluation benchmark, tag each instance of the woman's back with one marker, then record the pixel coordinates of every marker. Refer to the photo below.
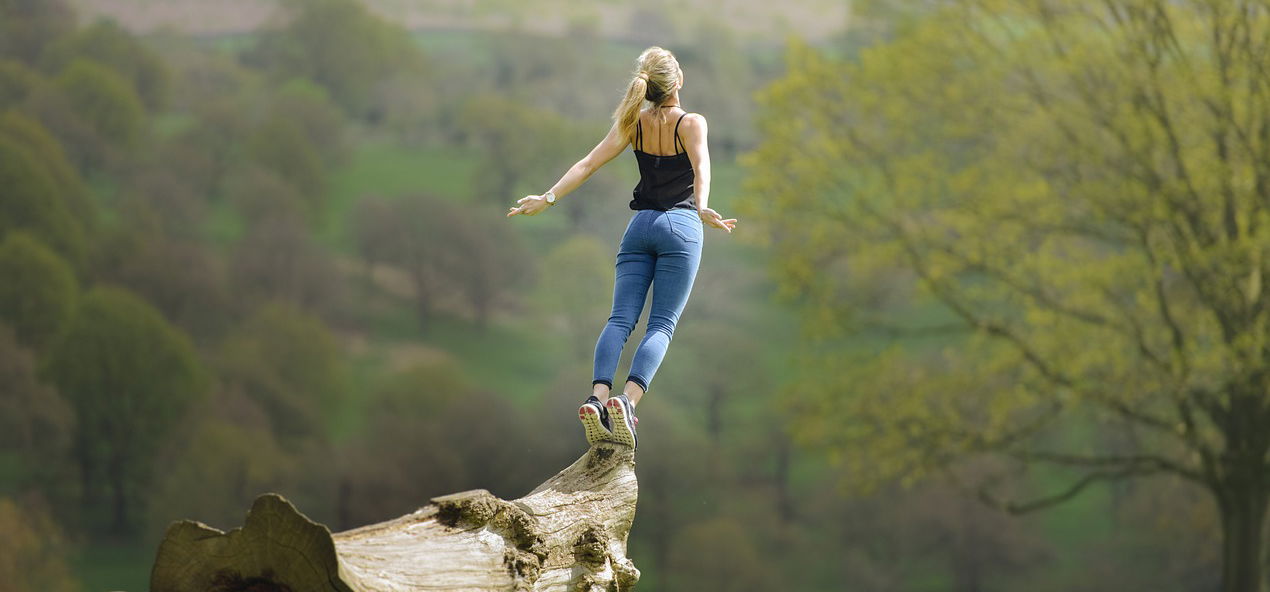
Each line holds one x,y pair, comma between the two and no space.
665,171
658,133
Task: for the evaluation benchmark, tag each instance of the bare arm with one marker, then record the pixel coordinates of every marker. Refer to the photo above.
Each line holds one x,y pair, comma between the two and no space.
606,150
694,135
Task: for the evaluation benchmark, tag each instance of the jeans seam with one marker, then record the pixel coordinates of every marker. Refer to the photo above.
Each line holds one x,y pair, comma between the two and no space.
678,233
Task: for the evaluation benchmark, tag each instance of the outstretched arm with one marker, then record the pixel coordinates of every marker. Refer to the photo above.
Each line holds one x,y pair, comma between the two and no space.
606,150
694,134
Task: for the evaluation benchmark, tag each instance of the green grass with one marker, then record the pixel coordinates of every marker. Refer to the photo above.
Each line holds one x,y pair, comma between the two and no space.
389,171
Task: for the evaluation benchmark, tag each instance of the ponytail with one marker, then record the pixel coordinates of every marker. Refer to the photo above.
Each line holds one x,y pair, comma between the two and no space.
656,76
627,112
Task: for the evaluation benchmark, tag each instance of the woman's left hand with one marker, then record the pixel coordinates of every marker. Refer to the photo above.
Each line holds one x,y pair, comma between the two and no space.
712,218
530,205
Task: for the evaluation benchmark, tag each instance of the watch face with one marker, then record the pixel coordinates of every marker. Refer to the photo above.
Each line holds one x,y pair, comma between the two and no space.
551,198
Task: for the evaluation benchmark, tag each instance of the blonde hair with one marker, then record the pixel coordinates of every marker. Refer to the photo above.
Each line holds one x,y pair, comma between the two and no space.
656,75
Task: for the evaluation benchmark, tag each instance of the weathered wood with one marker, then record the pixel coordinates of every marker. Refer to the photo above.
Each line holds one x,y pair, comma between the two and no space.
567,534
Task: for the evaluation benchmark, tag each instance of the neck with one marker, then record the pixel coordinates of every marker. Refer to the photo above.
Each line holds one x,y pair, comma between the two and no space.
673,101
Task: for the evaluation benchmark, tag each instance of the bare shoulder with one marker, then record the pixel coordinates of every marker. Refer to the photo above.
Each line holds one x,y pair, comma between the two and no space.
694,123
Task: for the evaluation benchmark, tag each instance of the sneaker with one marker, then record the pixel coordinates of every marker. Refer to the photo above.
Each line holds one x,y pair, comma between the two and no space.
622,415
595,420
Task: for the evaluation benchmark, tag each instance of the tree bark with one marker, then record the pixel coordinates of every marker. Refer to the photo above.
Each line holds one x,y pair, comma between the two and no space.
1243,513
569,533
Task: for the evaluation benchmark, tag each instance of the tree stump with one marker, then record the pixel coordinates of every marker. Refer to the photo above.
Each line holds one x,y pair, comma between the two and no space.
569,533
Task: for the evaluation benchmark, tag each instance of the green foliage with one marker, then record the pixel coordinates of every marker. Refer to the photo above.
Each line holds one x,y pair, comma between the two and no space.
104,100
28,26
180,277
575,291
438,246
37,140
107,43
309,107
30,200
218,474
129,375
33,550
17,82
342,47
37,289
205,152
522,146
390,170
408,450
290,364
278,259
1071,193
36,423
718,555
281,145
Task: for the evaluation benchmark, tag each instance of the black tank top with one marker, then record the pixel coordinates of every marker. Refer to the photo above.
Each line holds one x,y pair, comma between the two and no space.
665,182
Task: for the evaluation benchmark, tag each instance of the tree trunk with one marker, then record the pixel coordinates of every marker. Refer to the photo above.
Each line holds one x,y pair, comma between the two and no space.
1243,513
567,534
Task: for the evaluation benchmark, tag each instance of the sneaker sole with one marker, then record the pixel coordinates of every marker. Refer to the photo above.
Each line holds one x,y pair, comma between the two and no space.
622,431
589,415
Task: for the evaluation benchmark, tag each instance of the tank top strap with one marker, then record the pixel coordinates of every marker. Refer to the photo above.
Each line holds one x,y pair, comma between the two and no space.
678,142
639,135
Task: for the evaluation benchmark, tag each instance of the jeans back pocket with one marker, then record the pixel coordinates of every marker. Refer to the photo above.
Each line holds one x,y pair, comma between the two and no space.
688,229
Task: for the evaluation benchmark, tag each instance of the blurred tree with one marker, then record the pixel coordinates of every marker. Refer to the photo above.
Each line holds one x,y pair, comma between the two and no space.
171,203
103,101
37,289
411,107
277,259
575,291
408,453
17,82
309,107
129,375
27,27
181,277
482,262
37,140
281,145
204,153
1100,246
86,150
263,197
342,47
36,423
30,200
107,43
218,473
33,550
719,82
522,148
197,76
719,554
418,234
551,72
980,546
291,365
722,363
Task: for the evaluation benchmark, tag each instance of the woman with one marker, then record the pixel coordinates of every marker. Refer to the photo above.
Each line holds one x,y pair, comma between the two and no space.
662,243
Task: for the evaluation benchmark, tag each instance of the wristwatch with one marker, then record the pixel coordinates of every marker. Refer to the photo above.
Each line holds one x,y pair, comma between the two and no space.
550,197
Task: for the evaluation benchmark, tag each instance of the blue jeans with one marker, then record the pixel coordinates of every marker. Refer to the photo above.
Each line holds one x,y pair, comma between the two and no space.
661,249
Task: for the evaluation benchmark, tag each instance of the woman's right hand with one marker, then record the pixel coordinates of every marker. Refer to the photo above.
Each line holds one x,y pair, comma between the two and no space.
712,218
